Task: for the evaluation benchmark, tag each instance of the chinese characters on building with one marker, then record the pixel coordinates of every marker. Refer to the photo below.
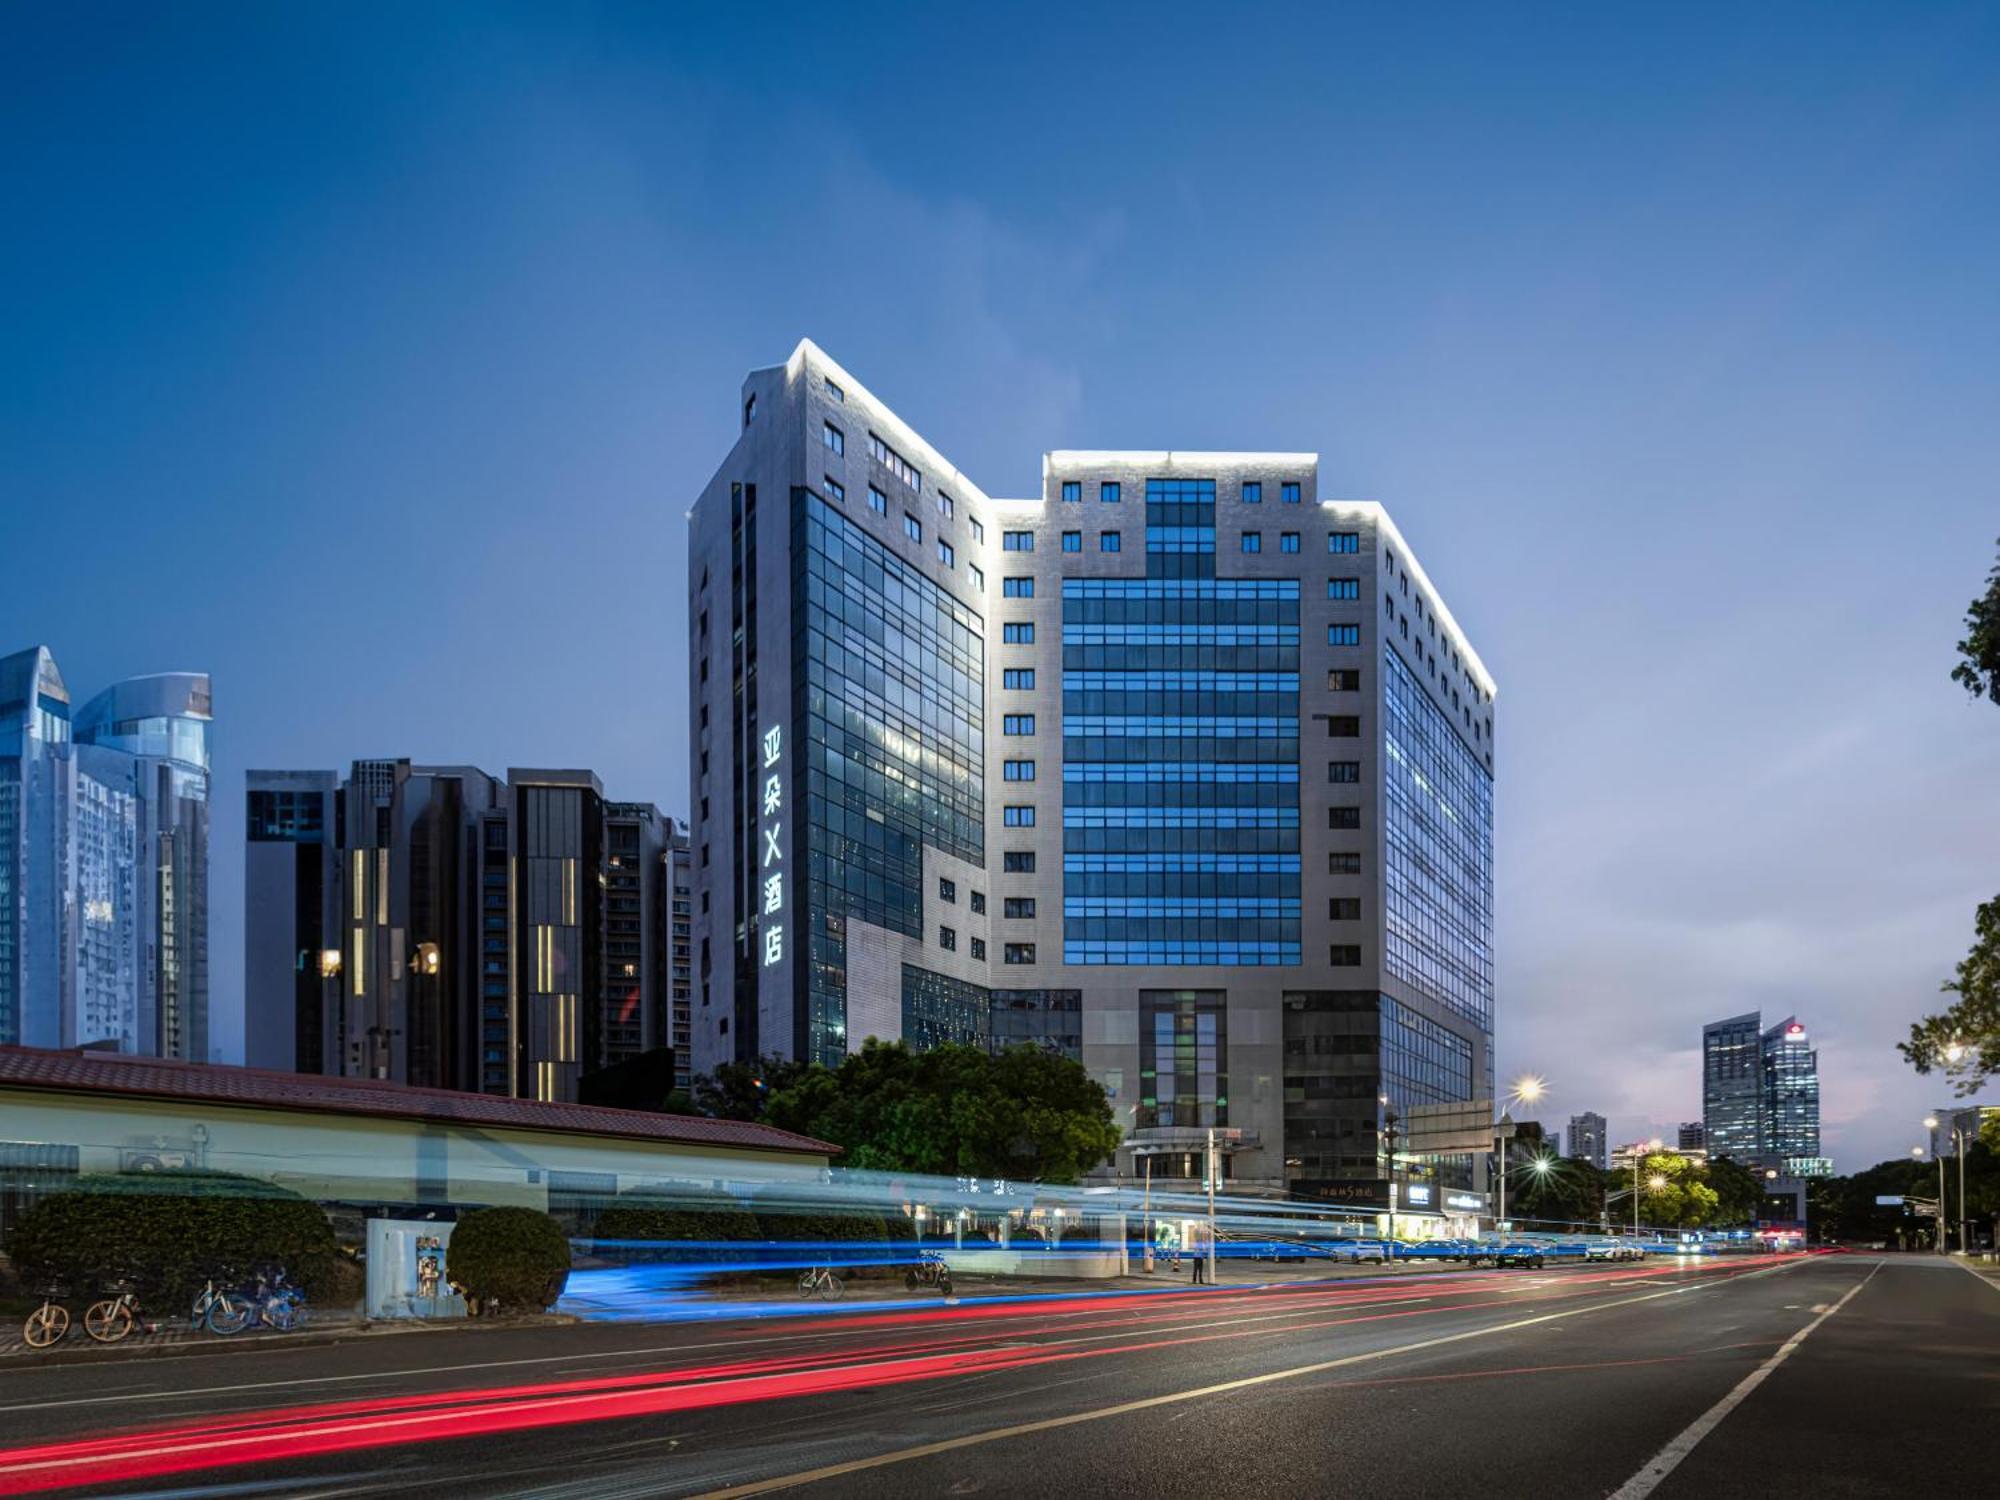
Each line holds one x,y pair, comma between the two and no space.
771,866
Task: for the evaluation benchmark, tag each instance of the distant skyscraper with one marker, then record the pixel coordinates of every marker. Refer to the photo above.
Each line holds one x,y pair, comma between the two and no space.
1587,1139
1694,1136
1732,1088
104,861
1760,1094
439,926
1790,1096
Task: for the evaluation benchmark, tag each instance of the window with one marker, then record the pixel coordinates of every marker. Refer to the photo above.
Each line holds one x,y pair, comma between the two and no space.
1343,817
1343,635
1344,909
1017,588
834,438
947,554
1018,633
947,889
1017,724
1288,541
1343,541
912,527
979,903
1344,772
1343,862
979,948
877,501
895,463
1344,680
1017,770
1344,726
1018,953
1110,492
1253,492
1109,541
978,528
836,393
1345,955
1343,588
1017,861
1018,815
1289,492
945,507
1253,541
1072,489
978,575
1017,541
1389,606
1018,907
948,939
1019,678
749,411
1072,541
835,490
1403,625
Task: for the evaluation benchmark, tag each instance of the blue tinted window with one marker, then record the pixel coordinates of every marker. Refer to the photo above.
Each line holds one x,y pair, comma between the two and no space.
1288,541
1020,678
1018,770
1253,493
1109,541
835,490
1016,815
1289,492
1343,635
1018,633
1110,492
1253,541
1072,489
1017,588
1017,541
1072,541
1343,588
1343,541
1017,724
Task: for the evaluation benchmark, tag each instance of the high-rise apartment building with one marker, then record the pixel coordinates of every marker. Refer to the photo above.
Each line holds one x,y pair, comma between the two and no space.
439,926
1693,1136
1760,1094
104,861
1176,767
1589,1139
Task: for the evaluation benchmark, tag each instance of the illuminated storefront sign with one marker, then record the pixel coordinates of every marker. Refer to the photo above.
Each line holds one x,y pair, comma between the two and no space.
1465,1203
1417,1194
772,908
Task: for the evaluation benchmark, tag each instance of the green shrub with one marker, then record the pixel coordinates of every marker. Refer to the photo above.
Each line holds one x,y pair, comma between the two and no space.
167,1232
780,1218
511,1258
667,1220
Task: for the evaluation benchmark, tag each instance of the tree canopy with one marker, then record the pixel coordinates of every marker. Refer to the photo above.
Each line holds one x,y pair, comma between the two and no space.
1978,669
1025,1114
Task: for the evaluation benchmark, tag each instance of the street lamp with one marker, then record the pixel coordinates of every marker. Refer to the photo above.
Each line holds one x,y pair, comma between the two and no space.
1931,1124
1527,1089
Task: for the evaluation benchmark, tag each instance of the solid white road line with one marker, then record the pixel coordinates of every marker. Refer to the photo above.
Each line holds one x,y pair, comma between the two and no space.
1663,1463
1125,1408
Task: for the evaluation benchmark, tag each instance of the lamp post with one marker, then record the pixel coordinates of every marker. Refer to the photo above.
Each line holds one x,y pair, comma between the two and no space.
1528,1089
1931,1124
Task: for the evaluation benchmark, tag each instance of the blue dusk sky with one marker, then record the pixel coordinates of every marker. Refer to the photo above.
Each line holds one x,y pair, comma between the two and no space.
369,357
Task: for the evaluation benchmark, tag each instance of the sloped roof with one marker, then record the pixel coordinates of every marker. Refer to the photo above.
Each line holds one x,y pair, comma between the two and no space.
84,1072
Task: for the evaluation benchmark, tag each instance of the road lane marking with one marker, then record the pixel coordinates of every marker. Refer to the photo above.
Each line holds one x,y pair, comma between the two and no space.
1669,1458
1125,1408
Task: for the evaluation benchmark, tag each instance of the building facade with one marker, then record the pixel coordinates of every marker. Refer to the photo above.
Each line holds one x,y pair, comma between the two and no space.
1589,1139
1760,1095
1175,767
438,926
104,861
1693,1136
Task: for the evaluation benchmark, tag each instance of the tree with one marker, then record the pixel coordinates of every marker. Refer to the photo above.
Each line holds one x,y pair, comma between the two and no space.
1026,1115
1964,1040
1978,670
516,1259
1739,1191
1567,1190
1671,1191
742,1091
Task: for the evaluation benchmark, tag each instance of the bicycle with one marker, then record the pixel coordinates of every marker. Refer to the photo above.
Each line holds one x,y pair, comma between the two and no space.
223,1312
111,1319
47,1324
277,1303
820,1280
930,1270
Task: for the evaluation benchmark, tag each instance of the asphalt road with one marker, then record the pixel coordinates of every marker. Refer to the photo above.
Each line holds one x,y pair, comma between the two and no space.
1822,1376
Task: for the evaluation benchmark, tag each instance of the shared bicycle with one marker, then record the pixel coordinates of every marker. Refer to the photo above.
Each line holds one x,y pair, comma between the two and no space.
820,1281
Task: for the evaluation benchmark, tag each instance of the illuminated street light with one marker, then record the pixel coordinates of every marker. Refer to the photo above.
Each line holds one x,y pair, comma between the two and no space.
1657,1182
1530,1089
1954,1051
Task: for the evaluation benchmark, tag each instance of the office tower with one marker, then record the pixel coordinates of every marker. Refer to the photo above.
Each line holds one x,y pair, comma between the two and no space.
1693,1136
1790,1109
1588,1139
440,926
678,893
104,861
1733,1088
1175,766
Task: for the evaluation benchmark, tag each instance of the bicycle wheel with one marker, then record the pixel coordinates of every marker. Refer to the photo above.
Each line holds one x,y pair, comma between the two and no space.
834,1287
228,1313
46,1325
284,1314
944,1286
108,1321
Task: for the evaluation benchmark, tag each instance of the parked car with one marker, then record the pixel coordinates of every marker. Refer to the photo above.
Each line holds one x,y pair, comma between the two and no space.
1520,1253
1440,1250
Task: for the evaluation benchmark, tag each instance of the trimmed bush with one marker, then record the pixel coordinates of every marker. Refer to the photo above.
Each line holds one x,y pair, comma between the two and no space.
779,1218
668,1220
166,1233
515,1259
